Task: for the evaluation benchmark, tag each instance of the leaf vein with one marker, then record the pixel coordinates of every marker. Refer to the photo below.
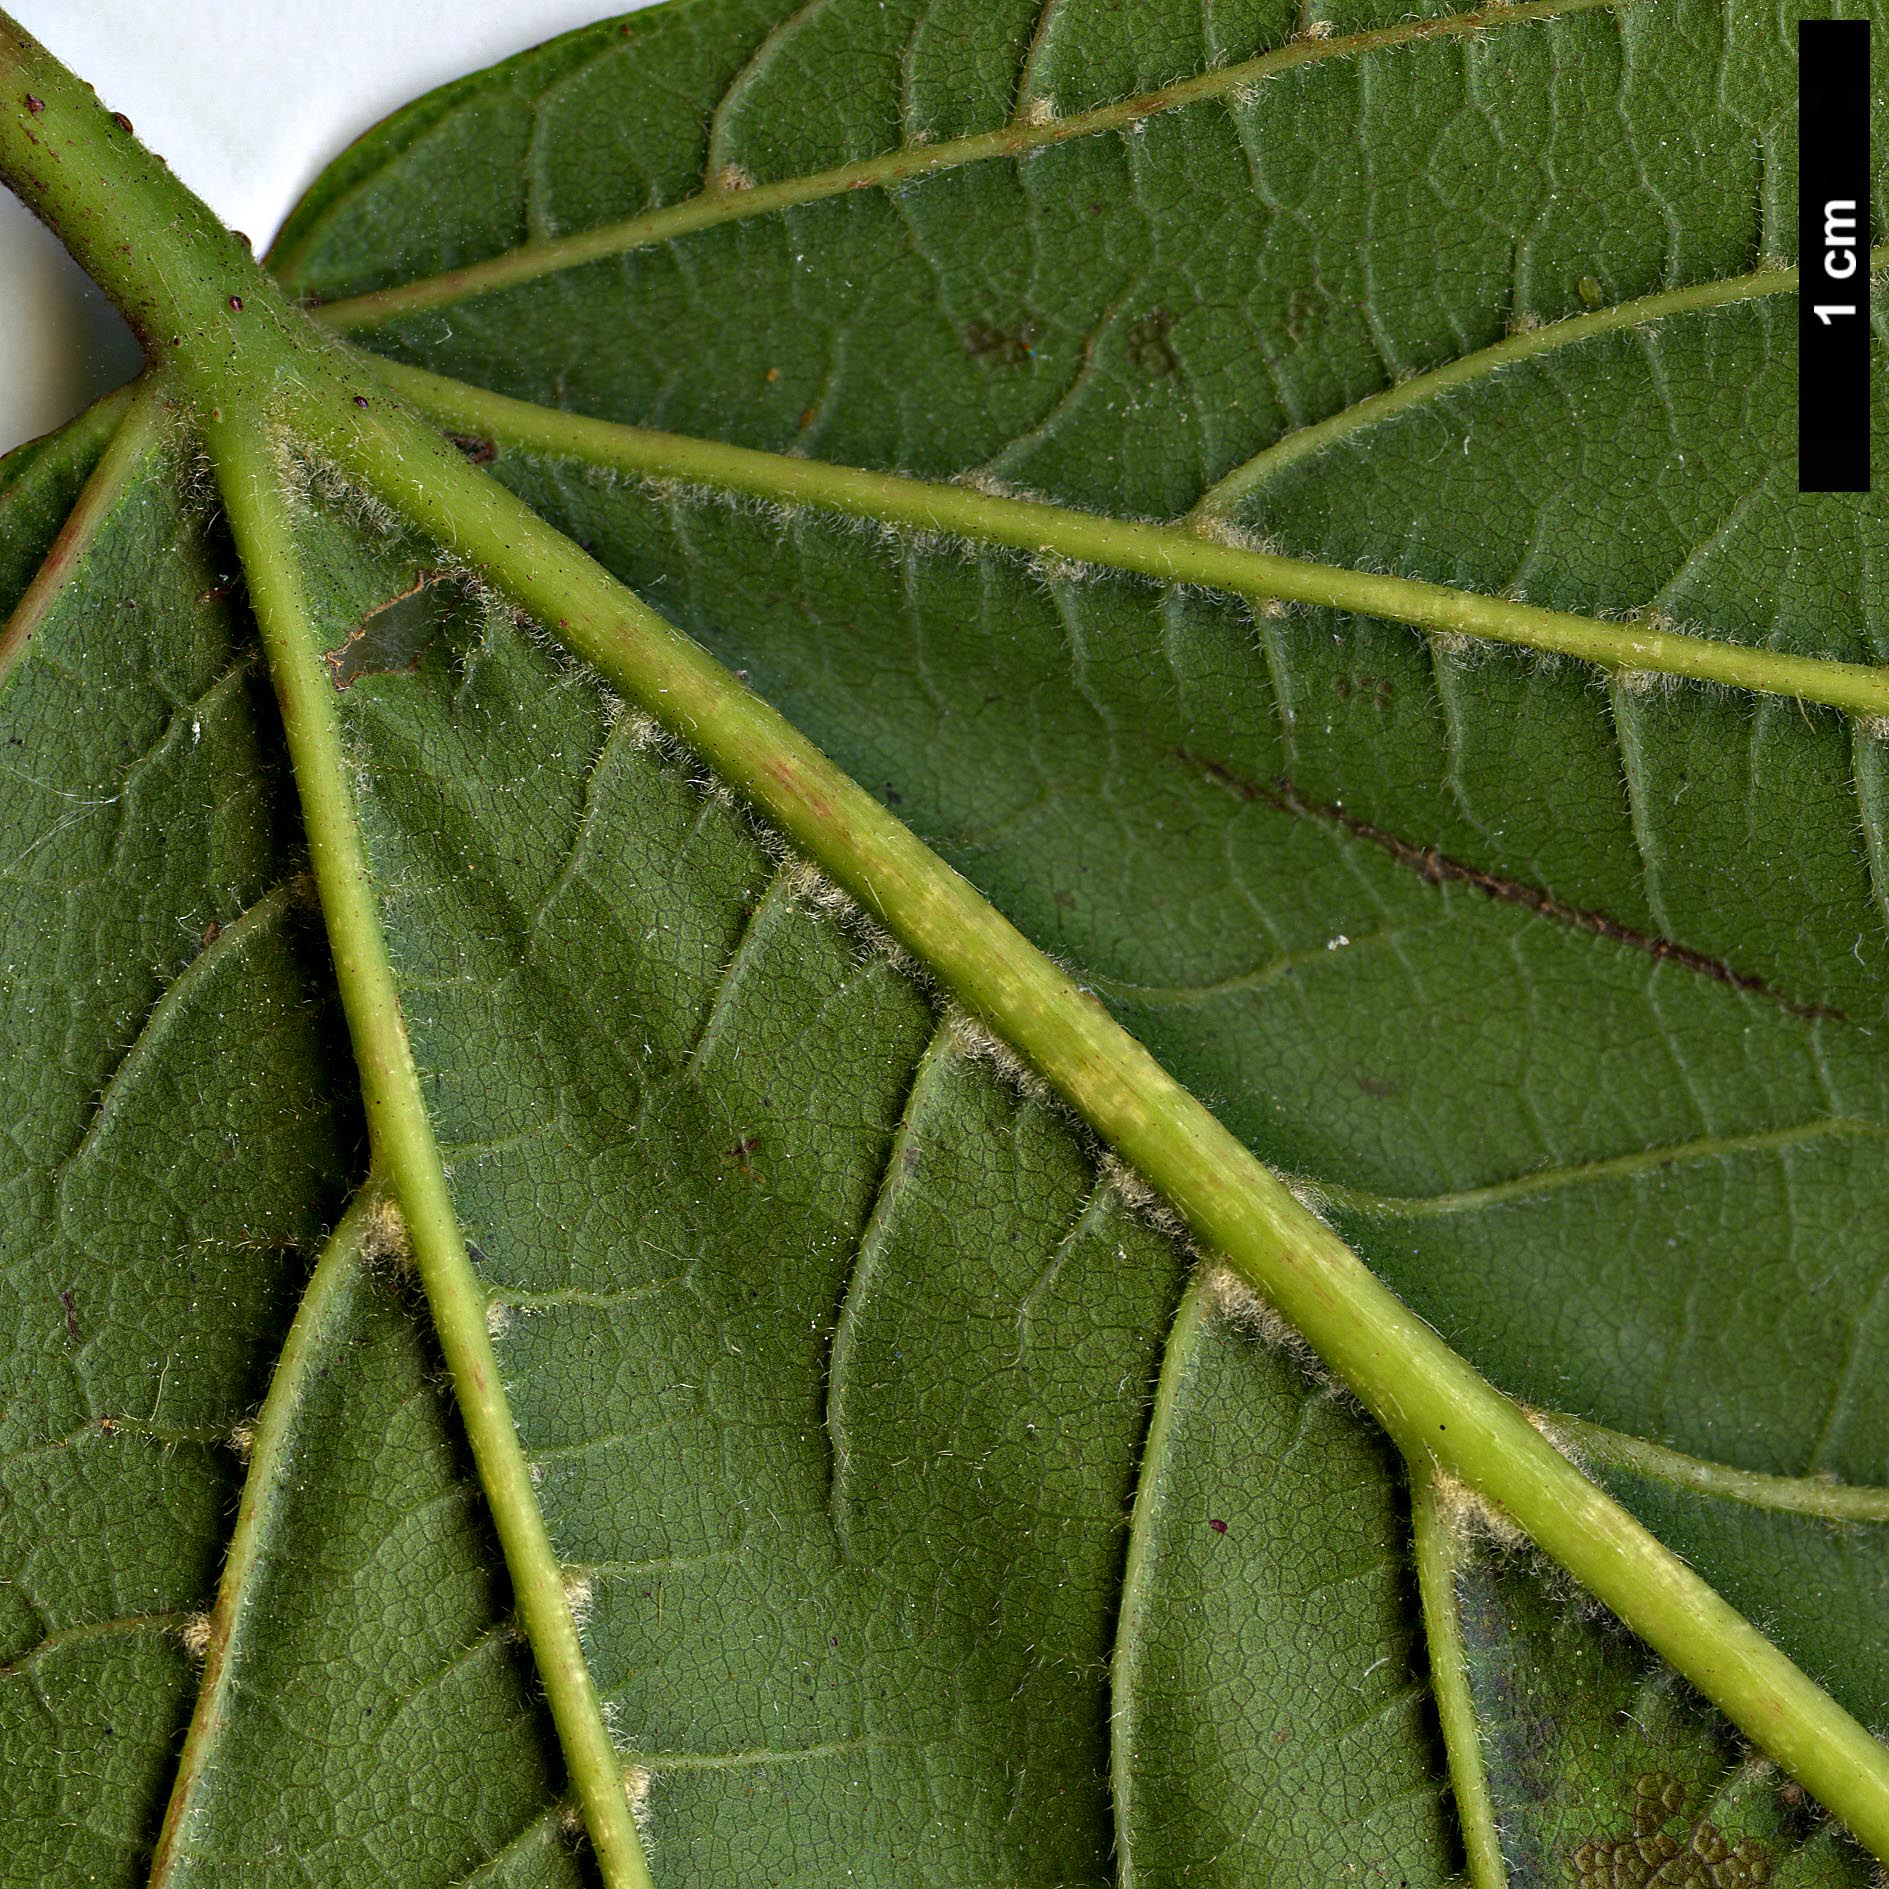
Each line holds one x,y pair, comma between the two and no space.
911,163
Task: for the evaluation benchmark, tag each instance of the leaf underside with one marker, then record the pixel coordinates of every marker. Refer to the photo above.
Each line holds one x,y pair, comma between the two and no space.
833,1346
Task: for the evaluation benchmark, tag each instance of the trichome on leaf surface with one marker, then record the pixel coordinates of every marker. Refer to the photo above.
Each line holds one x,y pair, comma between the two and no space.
943,943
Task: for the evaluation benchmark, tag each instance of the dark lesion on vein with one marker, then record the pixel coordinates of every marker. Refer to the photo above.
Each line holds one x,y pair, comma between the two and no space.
475,447
1437,867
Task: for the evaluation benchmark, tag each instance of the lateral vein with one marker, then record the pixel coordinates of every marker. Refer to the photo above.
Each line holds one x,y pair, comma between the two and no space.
1177,1361
243,451
129,423
1165,553
1822,1498
1438,1543
303,1355
1550,1180
1222,498
911,162
901,1156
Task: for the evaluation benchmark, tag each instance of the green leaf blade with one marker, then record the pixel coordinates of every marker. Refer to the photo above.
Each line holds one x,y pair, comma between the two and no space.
177,1011
1560,1001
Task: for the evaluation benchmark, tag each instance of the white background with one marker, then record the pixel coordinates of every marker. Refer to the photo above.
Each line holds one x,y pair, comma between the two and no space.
247,99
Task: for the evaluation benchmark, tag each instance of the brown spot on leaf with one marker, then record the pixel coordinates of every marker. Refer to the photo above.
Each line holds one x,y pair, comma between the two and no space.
999,347
1150,349
1666,1851
1377,690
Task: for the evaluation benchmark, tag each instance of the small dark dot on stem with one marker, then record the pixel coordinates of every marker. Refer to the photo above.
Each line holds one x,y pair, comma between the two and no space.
236,302
360,400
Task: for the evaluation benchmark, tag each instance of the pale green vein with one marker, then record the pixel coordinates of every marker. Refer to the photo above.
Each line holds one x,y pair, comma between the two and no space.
910,162
1540,1182
1221,499
541,1834
1103,1201
1868,773
83,806
85,1631
250,479
310,1344
657,1763
605,1441
124,425
1166,553
1259,977
1438,1545
642,1772
556,1298
1177,1363
771,910
109,1432
1821,1497
900,1158
169,1012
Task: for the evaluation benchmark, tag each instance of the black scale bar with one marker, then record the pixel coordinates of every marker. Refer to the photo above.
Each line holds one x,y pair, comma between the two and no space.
1833,256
